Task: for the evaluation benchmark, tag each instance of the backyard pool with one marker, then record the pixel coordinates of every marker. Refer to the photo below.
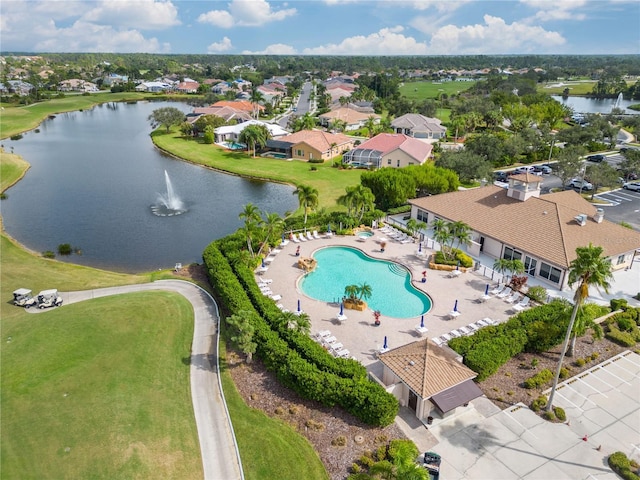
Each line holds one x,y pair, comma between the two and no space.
391,290
234,146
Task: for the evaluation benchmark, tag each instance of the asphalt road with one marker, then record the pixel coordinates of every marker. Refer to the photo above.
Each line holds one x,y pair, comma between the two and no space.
220,456
302,107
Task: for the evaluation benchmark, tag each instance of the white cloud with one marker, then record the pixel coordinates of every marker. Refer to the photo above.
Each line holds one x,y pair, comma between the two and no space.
387,41
223,46
441,6
274,49
245,13
495,36
139,14
551,10
89,37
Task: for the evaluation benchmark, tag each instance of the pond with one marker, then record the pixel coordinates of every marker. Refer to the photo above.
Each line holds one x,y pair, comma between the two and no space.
596,105
94,178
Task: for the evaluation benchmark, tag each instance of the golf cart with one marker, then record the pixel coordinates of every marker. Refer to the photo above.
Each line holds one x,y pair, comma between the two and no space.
23,298
432,464
49,298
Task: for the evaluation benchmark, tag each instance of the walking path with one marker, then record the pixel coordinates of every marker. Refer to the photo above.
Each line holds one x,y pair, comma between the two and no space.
220,456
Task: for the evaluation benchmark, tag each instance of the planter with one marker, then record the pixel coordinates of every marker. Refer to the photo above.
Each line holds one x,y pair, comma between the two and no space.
446,268
358,305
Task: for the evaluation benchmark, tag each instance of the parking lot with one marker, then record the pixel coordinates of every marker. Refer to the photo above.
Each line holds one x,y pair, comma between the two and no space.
622,206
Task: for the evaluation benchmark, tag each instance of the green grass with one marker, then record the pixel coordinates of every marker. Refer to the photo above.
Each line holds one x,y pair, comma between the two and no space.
330,182
12,168
426,89
575,87
100,390
269,448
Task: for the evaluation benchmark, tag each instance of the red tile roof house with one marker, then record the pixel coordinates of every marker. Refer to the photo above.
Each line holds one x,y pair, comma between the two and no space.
541,231
428,379
389,150
227,113
243,105
353,118
312,144
187,87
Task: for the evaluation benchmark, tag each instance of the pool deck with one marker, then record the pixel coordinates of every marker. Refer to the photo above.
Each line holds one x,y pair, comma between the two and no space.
358,333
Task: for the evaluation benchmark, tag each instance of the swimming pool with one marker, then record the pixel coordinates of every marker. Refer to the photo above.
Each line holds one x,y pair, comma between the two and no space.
365,234
234,145
391,288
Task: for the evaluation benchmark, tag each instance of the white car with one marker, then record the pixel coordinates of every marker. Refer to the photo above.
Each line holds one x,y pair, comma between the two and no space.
635,186
527,169
579,184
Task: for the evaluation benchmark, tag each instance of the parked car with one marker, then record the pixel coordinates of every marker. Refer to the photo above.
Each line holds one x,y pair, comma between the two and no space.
524,169
22,297
49,298
431,462
544,169
580,184
501,177
634,186
626,149
595,158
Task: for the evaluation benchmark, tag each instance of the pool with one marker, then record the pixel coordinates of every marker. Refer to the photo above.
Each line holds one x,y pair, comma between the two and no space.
275,155
365,234
391,288
234,145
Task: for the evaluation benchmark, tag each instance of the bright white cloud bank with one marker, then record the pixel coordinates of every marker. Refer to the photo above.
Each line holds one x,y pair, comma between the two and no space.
245,13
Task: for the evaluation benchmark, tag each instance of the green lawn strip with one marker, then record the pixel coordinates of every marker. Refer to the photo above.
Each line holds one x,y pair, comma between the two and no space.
330,182
100,389
269,448
422,90
12,168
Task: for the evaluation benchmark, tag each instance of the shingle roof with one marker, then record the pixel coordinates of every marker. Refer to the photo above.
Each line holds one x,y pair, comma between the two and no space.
348,115
317,139
426,368
417,122
388,142
544,227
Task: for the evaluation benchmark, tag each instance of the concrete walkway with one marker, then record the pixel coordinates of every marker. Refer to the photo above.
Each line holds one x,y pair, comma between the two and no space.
220,456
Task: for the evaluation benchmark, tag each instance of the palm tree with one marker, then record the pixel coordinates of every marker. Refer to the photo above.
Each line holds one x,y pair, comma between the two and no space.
461,233
443,235
272,223
508,266
370,125
293,321
589,268
415,226
254,136
351,291
307,198
251,217
242,330
364,291
256,97
580,327
338,125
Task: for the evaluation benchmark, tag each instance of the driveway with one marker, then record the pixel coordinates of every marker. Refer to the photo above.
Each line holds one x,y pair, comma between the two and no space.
220,456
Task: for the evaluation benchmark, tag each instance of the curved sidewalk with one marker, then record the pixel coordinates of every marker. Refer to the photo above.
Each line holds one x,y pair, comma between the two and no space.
220,456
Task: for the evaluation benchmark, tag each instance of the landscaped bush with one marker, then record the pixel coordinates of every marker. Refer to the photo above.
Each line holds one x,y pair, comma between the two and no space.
618,304
560,413
620,464
539,379
539,403
458,256
625,339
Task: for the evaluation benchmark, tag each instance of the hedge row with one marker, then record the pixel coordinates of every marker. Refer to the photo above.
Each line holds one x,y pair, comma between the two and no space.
464,259
620,464
622,328
362,398
534,330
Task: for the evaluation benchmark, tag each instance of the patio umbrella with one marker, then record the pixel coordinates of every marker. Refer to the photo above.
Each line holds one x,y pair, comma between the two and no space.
329,228
486,290
420,247
385,342
455,306
282,237
458,265
263,264
422,322
300,308
341,308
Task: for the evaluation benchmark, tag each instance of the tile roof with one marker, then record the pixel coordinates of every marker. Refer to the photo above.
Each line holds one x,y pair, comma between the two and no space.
426,368
388,142
417,122
349,115
317,139
544,227
238,105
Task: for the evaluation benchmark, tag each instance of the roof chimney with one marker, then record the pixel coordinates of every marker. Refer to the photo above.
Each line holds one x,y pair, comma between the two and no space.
599,216
581,219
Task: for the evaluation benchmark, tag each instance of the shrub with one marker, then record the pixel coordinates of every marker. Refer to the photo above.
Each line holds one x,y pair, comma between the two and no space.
64,249
208,138
560,413
355,468
594,356
48,254
549,415
621,338
618,304
400,445
620,464
534,363
579,362
625,324
539,403
537,293
366,460
340,441
564,373
539,379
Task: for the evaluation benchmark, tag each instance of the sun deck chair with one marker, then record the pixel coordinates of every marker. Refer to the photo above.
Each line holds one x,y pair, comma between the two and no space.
473,327
437,340
482,323
284,243
261,270
406,239
513,298
276,297
489,321
523,305
505,293
265,281
455,333
302,237
498,289
309,236
315,234
446,337
465,331
294,237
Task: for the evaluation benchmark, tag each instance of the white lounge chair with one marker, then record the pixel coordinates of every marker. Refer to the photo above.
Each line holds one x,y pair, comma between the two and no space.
265,281
261,270
309,236
422,331
315,234
406,239
482,323
455,273
498,289
284,243
465,331
505,293
513,298
329,234
344,353
336,346
276,297
489,321
523,305
446,337
324,333
473,327
437,340
455,333
294,237
302,237
341,318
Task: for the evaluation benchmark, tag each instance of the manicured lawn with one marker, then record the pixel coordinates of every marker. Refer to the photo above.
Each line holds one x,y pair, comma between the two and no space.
100,389
12,167
330,182
427,89
581,87
269,448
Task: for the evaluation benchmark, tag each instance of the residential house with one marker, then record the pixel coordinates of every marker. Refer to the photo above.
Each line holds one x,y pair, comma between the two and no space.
419,126
114,79
389,150
282,80
229,114
428,379
231,133
242,105
187,87
153,87
77,85
272,93
353,118
541,231
311,145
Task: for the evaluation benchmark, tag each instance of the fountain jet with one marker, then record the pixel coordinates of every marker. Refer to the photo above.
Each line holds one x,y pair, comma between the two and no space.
169,203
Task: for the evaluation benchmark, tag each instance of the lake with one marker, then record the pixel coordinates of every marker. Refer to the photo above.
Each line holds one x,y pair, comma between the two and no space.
94,178
595,105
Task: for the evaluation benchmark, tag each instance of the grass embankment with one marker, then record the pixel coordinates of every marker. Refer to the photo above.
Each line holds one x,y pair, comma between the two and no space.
12,169
108,380
330,182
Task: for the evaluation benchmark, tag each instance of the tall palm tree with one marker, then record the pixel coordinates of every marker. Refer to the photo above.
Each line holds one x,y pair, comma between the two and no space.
443,235
251,217
580,327
254,136
461,233
256,97
307,198
589,268
364,291
370,125
293,321
272,223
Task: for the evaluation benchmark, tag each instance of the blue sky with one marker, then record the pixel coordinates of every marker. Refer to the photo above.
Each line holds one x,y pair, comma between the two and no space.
322,27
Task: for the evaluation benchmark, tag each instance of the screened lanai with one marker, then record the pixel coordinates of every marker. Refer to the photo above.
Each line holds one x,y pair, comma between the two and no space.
363,157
